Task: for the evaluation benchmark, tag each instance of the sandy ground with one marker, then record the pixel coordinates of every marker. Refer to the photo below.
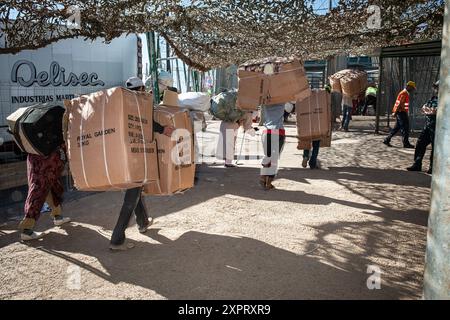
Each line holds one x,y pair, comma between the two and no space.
312,238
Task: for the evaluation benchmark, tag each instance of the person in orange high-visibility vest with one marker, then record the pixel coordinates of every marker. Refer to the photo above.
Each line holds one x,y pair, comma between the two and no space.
400,111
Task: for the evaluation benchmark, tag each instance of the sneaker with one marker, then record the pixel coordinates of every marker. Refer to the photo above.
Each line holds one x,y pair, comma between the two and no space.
121,247
33,235
145,228
388,143
409,146
229,165
60,220
305,162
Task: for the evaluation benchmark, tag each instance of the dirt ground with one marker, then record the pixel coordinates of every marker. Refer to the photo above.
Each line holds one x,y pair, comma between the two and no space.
312,238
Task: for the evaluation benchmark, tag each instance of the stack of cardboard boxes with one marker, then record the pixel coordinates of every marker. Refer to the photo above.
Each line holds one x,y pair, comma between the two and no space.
110,140
176,158
349,82
111,143
271,81
314,119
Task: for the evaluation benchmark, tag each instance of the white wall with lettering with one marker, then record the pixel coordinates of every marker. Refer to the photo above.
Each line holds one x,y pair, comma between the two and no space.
63,69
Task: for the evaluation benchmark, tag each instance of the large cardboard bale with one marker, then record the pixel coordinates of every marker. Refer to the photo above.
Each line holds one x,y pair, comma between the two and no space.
271,81
336,85
110,140
314,116
335,80
176,154
351,82
306,144
363,81
252,90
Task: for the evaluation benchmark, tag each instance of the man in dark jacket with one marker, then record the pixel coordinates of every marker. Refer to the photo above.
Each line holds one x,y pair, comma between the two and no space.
427,135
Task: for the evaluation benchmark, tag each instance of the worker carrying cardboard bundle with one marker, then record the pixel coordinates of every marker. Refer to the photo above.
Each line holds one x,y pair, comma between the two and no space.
271,81
38,132
132,201
273,139
401,113
314,125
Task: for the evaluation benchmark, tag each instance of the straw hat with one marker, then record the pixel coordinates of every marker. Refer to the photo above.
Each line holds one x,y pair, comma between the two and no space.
170,99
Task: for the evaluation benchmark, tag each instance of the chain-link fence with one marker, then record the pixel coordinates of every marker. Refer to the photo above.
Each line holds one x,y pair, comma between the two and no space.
420,65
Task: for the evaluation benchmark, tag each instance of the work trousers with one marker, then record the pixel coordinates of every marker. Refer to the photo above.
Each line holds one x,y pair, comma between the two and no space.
131,202
402,125
426,137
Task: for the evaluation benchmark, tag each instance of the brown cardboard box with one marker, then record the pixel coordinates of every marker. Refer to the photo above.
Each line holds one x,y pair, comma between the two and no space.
326,141
335,85
314,116
110,140
304,144
176,154
257,88
252,90
350,82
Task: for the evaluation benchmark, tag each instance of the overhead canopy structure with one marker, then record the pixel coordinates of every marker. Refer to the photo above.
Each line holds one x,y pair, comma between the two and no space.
213,33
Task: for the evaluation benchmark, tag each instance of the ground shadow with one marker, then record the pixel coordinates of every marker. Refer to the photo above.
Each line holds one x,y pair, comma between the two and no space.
207,266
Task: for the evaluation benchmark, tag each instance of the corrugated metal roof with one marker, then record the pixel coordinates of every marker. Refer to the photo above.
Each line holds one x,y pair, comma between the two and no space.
421,49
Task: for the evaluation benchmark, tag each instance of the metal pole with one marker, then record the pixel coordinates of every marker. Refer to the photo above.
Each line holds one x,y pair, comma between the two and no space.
158,51
153,65
178,75
168,66
437,266
380,79
188,85
186,79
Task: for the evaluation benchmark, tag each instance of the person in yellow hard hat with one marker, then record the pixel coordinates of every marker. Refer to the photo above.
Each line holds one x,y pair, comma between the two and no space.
400,111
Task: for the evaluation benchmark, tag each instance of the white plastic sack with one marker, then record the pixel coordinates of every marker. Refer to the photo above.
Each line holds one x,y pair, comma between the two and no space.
165,80
196,101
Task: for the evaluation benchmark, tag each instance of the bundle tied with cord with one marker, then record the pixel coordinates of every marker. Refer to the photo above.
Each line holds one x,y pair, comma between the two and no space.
110,140
314,119
176,154
271,81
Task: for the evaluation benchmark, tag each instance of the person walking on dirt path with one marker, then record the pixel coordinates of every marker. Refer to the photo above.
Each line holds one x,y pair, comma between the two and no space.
370,98
44,185
226,145
132,201
273,139
400,111
427,135
347,110
314,163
